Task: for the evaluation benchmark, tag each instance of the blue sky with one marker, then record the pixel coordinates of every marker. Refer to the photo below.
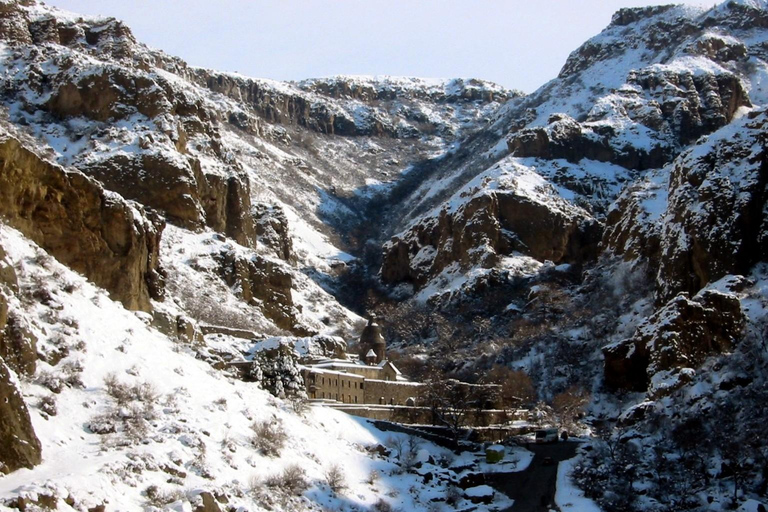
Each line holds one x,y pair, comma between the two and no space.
518,44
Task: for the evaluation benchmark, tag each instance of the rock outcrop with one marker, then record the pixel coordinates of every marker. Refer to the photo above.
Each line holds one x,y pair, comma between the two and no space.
702,216
263,283
178,187
487,225
19,446
716,221
271,227
680,335
375,108
565,138
7,272
675,107
18,345
94,232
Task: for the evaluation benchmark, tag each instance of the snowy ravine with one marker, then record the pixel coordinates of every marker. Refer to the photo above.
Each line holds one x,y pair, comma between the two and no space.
597,248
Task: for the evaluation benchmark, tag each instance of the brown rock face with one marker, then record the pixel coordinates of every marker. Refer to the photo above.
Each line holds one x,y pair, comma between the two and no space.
565,138
485,227
271,227
93,232
262,283
700,104
106,95
13,23
154,180
716,218
207,503
630,230
19,446
7,272
278,107
179,188
18,346
682,334
227,205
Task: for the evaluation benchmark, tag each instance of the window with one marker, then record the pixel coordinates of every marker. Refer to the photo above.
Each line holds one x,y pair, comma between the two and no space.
361,385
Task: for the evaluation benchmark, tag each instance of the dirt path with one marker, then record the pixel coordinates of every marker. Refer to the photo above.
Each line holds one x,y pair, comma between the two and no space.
534,489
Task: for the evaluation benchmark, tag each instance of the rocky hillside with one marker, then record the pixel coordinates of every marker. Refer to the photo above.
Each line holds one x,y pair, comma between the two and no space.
606,236
603,239
275,168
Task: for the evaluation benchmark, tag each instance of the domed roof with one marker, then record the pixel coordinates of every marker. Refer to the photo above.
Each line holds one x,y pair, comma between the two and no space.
371,335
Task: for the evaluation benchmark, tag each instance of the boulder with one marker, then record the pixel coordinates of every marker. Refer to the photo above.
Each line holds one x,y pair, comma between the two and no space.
481,494
180,327
207,503
18,345
19,446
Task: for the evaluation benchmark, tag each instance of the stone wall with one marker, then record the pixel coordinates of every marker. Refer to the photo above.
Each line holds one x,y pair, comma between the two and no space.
390,392
343,387
423,416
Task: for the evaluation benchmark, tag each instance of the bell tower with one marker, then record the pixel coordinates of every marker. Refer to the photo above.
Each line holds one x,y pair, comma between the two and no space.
372,339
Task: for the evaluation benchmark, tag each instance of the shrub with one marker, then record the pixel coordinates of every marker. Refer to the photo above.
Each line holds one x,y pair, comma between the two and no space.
52,381
71,371
160,498
133,408
373,477
299,405
48,405
334,477
382,506
291,480
269,437
453,495
124,394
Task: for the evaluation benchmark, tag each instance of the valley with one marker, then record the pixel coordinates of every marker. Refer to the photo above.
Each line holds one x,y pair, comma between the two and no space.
179,246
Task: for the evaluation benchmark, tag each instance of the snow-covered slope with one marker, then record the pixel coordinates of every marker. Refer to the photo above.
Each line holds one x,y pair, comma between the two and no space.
130,419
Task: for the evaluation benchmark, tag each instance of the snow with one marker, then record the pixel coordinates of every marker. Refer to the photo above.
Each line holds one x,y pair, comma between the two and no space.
568,497
479,491
202,422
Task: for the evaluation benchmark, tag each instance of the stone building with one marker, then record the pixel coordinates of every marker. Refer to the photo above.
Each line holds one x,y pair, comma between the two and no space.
372,340
369,379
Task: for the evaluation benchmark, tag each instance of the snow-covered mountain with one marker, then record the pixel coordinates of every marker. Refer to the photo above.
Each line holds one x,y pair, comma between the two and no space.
604,236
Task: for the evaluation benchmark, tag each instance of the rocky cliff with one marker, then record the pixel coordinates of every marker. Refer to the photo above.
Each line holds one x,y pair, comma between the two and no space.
95,232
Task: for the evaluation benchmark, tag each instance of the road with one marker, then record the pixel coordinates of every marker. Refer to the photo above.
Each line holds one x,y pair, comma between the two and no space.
534,488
